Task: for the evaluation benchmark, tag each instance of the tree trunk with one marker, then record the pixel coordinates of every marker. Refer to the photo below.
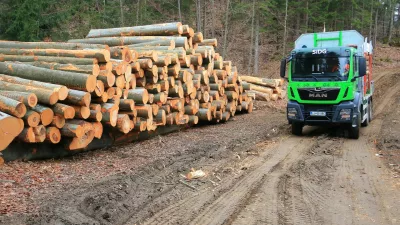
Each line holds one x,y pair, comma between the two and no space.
44,96
376,25
307,18
62,60
256,44
226,28
250,57
285,31
93,69
212,18
50,45
392,14
46,114
121,7
179,10
61,90
29,99
12,107
372,20
161,29
72,80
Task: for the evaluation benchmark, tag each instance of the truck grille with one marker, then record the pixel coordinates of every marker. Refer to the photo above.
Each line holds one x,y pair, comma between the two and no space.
318,108
318,93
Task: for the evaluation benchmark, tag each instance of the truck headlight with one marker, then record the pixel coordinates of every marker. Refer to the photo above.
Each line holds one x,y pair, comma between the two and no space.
345,114
292,113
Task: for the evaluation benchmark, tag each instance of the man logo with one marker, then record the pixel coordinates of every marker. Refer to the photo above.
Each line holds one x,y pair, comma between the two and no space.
317,95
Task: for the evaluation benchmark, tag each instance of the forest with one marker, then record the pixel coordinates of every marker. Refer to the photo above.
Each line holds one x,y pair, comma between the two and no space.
252,33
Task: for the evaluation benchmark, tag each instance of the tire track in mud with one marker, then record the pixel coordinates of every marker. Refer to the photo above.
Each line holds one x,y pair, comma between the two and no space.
205,208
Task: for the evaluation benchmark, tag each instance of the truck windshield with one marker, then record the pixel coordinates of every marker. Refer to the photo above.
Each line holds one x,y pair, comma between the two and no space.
320,67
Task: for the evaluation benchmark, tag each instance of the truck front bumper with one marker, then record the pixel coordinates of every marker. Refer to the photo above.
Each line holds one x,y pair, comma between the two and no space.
315,115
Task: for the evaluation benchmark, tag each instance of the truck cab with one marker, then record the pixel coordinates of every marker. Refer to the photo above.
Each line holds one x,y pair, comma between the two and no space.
329,81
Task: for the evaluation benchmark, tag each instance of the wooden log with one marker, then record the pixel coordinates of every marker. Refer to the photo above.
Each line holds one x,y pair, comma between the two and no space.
123,123
60,89
232,95
260,81
58,121
139,95
247,106
101,55
26,135
163,60
204,114
49,45
262,89
107,77
246,86
72,130
62,60
261,96
92,69
29,99
209,42
81,112
76,97
160,118
135,66
120,41
145,63
14,127
81,142
72,80
162,29
126,104
122,53
274,97
198,37
98,129
40,133
169,43
53,135
68,112
46,114
110,113
12,107
31,118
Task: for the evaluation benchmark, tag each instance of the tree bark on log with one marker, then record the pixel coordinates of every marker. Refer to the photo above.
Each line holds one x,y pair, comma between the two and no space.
12,107
49,59
53,135
260,81
31,118
60,89
162,29
101,55
93,69
46,114
29,99
51,45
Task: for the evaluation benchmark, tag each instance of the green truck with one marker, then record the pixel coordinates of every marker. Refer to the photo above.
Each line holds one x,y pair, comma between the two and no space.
329,81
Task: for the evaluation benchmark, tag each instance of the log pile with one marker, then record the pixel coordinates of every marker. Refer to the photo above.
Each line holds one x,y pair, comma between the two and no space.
263,89
131,79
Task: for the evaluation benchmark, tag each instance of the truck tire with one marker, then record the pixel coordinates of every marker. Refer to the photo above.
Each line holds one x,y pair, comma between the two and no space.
370,111
297,129
354,132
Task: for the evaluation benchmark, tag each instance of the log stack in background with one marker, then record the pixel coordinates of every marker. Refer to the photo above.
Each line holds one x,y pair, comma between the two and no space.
131,80
263,89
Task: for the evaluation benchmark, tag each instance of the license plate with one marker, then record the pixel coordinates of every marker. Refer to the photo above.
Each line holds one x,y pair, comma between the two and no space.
313,113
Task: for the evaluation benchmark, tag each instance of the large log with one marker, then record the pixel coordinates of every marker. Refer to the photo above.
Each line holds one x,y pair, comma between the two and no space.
26,135
101,55
29,99
47,45
62,60
60,89
12,107
92,69
77,81
139,95
121,41
53,135
66,111
162,29
260,81
122,53
58,121
76,97
168,43
10,127
263,89
46,114
31,118
209,42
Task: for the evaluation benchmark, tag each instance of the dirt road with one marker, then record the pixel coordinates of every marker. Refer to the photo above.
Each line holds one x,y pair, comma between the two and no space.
257,173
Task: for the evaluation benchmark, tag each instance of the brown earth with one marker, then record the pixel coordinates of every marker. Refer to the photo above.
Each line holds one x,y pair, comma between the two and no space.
257,173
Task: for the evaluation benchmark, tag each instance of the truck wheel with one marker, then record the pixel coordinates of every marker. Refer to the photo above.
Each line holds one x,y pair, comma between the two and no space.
354,132
297,129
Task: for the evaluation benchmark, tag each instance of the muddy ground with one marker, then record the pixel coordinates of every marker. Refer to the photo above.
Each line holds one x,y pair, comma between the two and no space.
257,173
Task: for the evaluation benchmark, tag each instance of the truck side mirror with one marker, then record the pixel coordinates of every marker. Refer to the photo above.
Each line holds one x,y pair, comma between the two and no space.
362,67
283,68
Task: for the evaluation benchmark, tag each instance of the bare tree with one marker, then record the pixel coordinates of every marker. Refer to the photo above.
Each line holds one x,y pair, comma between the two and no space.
256,45
198,14
285,33
121,7
306,23
226,28
137,12
212,18
179,10
392,8
251,38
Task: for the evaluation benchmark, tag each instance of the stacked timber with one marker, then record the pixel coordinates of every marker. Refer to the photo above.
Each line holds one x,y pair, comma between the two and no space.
130,79
263,89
